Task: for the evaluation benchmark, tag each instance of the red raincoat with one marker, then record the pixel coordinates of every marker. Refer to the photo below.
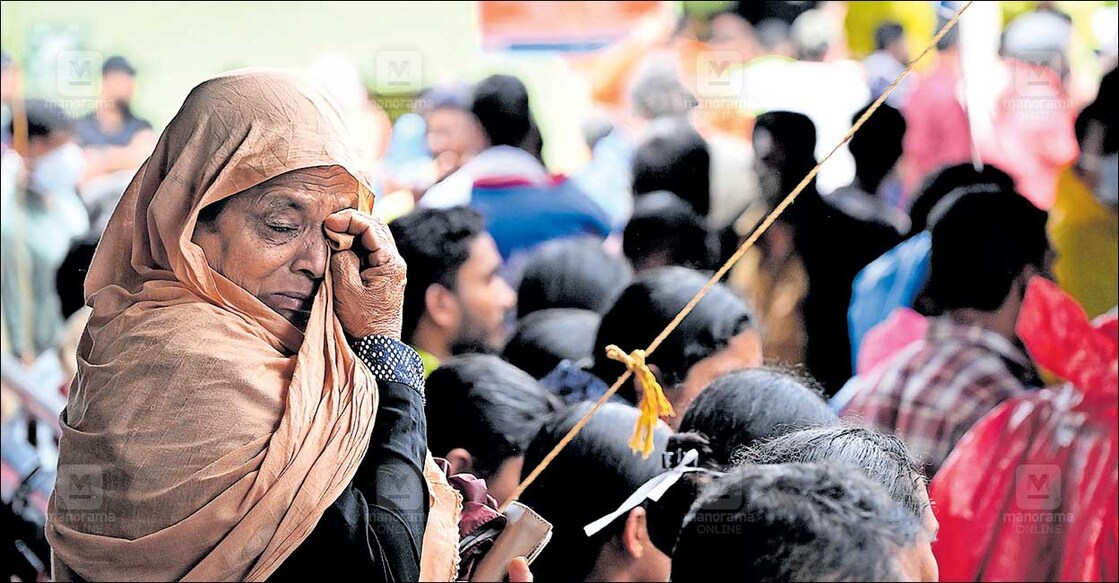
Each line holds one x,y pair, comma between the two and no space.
1029,494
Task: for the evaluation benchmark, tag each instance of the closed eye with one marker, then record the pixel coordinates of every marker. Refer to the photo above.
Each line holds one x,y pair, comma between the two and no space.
283,228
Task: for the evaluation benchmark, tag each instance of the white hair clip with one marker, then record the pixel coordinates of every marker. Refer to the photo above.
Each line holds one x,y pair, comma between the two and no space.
651,490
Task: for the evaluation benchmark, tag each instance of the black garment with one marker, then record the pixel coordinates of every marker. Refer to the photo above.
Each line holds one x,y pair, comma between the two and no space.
374,530
70,278
834,246
90,134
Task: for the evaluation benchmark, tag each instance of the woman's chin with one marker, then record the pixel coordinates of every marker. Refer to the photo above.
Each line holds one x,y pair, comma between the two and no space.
297,318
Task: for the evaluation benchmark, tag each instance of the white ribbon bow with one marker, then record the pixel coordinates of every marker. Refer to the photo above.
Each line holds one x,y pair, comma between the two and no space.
651,490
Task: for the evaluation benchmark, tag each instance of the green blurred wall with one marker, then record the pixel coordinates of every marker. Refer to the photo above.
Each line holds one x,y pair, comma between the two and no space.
175,45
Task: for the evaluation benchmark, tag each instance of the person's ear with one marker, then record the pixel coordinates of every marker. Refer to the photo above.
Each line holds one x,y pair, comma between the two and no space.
441,306
461,461
635,535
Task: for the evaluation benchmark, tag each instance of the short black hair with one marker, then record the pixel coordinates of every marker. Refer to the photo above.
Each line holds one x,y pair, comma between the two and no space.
571,273
887,34
45,118
742,408
599,454
434,243
666,230
793,522
544,339
790,155
877,146
648,304
793,132
939,184
118,64
981,242
674,157
501,105
883,458
950,38
486,406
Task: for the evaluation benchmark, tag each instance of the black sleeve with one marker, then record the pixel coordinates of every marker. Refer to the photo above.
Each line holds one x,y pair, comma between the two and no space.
392,482
374,530
391,476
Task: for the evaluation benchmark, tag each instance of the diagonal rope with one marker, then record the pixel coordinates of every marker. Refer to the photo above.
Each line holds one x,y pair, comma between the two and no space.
758,232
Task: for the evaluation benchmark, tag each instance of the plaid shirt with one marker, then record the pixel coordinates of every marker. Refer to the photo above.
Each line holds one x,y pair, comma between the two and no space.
932,392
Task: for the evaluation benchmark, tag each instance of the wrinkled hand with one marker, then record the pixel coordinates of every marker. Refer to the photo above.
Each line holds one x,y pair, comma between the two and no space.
368,278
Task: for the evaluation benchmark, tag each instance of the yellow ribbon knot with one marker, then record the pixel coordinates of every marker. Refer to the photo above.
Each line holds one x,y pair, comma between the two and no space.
652,403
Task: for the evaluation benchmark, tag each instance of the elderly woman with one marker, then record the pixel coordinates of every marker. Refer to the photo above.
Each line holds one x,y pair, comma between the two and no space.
243,407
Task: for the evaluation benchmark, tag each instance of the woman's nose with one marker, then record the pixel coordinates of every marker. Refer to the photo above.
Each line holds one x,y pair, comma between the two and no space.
313,257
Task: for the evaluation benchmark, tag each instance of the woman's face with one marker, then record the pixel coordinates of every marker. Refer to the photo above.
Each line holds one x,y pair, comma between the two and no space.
269,239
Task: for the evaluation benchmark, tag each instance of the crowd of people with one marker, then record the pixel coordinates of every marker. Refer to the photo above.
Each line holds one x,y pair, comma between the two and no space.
281,349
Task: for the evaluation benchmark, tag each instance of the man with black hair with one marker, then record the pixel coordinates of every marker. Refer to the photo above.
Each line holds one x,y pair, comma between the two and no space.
795,522
875,194
500,104
452,132
666,230
482,412
674,157
720,335
455,300
890,56
113,137
832,243
987,243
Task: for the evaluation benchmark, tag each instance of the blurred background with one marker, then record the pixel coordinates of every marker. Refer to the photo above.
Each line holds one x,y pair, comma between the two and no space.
89,86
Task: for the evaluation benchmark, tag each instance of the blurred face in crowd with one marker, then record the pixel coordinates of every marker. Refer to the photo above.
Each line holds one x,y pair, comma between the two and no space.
475,311
899,49
453,136
118,87
40,146
742,351
269,239
732,34
769,160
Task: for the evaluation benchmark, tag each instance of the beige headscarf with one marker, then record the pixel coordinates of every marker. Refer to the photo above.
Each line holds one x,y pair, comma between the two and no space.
204,434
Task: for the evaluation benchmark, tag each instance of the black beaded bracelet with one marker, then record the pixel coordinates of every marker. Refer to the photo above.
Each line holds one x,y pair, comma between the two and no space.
391,360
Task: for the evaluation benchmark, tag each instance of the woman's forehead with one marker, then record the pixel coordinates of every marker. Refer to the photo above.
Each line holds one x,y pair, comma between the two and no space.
326,185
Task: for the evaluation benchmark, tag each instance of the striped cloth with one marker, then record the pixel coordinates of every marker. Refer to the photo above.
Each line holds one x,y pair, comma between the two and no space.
933,391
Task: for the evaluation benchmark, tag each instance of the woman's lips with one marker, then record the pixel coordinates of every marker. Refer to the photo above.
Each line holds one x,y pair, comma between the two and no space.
293,302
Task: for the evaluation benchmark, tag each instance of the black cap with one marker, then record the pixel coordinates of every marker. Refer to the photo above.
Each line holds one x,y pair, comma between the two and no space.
118,64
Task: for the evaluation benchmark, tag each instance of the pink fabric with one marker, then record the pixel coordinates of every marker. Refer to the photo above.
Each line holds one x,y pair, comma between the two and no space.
902,328
1034,138
937,132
